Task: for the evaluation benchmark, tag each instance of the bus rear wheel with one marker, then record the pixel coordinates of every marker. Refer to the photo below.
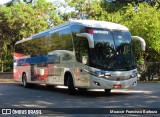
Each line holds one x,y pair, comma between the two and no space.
50,86
71,88
24,80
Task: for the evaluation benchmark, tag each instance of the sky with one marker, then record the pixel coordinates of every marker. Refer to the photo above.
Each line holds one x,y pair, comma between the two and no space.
62,9
5,1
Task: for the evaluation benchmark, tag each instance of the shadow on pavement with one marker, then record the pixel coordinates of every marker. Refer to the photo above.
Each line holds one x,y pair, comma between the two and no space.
64,90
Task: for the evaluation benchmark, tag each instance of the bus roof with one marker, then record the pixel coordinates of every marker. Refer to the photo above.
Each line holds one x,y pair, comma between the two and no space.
101,24
87,23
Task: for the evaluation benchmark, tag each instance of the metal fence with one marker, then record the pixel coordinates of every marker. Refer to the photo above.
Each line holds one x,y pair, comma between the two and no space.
149,71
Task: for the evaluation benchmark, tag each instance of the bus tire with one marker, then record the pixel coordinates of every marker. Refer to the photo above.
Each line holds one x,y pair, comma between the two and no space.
24,80
107,91
82,89
50,86
71,88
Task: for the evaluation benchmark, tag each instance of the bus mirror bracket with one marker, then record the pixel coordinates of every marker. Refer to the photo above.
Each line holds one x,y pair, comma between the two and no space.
142,41
89,38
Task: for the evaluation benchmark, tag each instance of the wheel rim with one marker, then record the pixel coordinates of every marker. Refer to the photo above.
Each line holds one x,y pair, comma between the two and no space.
24,82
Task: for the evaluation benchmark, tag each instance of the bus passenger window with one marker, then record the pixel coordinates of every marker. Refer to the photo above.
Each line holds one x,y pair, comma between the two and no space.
81,48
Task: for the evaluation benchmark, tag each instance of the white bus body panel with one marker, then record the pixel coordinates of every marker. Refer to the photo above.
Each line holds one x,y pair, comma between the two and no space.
123,78
81,78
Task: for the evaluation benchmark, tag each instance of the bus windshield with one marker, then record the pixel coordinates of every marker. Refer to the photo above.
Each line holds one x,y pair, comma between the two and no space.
113,50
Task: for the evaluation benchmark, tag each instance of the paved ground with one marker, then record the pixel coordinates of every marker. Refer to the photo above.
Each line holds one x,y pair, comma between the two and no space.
14,95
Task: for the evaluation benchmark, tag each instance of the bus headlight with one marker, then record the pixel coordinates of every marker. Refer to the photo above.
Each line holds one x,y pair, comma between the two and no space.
102,73
134,74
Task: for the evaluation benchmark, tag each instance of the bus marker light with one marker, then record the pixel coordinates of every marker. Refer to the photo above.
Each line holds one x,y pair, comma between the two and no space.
90,31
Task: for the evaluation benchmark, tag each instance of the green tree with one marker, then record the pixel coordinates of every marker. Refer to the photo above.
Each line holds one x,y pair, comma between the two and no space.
86,9
22,20
95,10
145,23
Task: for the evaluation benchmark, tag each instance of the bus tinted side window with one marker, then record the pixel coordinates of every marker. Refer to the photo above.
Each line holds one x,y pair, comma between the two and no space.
81,49
66,39
36,47
61,40
53,41
81,44
32,47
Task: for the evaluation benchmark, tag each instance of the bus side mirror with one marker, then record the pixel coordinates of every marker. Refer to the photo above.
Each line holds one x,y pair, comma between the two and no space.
89,38
142,41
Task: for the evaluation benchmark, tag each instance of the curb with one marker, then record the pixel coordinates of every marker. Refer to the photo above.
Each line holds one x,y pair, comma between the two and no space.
148,81
6,80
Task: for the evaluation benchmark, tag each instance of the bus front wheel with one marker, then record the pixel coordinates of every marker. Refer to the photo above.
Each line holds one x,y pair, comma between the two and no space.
24,80
71,88
107,91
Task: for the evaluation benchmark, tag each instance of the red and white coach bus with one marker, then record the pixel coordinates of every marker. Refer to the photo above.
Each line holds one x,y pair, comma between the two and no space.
80,54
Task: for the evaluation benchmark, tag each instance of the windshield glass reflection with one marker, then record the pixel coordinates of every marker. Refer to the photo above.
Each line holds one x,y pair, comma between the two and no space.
113,50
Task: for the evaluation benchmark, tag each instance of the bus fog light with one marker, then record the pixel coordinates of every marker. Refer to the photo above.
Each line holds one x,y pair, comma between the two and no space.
134,83
133,75
96,83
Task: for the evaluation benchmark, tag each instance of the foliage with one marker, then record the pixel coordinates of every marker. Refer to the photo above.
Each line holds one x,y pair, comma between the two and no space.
86,9
145,23
22,20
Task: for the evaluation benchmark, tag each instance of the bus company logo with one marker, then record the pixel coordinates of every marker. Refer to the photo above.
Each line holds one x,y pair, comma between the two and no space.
6,111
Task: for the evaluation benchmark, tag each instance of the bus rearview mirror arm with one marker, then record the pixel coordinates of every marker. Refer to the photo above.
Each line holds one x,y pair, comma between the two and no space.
142,41
89,38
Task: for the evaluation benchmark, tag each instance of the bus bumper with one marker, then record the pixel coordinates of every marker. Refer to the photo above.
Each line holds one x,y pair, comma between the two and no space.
100,83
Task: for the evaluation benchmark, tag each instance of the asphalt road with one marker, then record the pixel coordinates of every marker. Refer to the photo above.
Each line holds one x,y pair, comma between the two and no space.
14,95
